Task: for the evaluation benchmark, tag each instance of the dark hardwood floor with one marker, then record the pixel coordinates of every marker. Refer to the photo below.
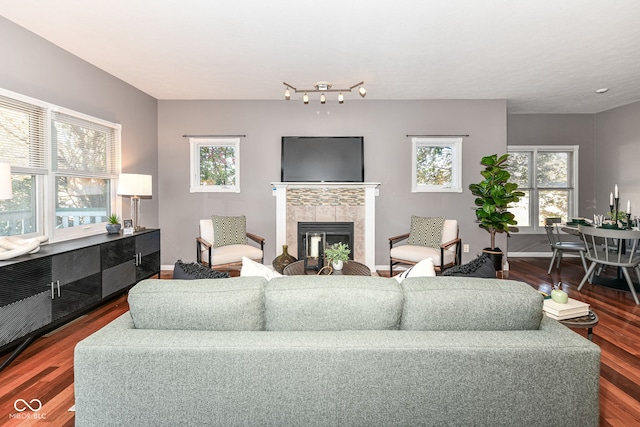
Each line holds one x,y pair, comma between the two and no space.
44,370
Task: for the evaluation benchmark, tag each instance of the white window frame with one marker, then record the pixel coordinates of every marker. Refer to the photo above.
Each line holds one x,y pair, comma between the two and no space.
45,179
455,143
194,169
535,228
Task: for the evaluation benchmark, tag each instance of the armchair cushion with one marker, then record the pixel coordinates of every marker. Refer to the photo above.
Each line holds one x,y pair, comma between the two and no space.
229,230
426,231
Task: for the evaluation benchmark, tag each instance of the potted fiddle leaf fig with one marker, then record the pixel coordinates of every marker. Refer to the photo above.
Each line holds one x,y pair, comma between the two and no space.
494,195
113,224
337,254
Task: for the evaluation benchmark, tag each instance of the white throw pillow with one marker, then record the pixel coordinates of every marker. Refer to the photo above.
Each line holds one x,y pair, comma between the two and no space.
422,269
251,268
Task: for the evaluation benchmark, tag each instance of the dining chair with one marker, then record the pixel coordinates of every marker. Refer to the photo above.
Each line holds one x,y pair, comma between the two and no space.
558,245
606,247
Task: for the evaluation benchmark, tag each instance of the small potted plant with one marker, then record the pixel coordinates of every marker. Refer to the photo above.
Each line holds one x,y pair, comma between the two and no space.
337,254
113,224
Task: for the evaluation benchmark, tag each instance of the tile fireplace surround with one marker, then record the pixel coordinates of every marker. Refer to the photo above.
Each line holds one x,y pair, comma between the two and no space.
327,202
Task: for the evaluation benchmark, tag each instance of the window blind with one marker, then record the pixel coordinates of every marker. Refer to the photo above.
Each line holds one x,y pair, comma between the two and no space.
84,147
23,136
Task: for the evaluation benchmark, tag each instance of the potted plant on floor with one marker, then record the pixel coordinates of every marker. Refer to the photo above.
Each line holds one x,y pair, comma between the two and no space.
337,254
494,194
113,224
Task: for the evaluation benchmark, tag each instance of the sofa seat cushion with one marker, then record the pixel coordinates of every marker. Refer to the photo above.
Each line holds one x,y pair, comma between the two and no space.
333,303
233,304
462,303
418,253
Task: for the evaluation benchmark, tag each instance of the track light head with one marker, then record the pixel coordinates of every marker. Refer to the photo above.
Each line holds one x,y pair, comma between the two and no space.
287,94
305,98
362,91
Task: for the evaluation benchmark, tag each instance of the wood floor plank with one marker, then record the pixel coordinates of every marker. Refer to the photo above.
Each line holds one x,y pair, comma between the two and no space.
45,369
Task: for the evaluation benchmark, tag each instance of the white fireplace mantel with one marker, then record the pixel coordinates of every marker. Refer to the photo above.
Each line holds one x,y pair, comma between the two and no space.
370,192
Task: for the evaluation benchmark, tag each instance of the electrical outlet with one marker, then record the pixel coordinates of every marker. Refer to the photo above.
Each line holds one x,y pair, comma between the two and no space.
465,249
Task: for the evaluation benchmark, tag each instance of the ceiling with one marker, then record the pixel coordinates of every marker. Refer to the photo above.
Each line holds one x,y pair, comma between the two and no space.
543,56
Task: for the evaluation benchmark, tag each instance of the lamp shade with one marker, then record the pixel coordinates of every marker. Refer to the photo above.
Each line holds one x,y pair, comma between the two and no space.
5,181
133,184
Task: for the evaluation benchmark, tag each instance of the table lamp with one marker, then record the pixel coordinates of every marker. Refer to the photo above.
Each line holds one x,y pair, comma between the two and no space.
135,185
6,191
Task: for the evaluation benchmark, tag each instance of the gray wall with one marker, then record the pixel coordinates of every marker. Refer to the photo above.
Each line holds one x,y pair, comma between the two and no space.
384,125
617,157
37,68
556,129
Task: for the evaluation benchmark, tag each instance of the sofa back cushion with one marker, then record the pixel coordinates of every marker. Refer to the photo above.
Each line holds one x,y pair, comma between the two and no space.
336,303
462,303
235,304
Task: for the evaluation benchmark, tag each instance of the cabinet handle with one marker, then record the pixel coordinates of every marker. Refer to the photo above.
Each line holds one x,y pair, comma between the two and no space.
58,283
52,294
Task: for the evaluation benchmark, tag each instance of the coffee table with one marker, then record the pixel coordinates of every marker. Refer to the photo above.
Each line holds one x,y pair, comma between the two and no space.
350,268
589,321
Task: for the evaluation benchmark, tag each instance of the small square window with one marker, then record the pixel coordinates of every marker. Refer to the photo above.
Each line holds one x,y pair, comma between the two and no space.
215,165
436,164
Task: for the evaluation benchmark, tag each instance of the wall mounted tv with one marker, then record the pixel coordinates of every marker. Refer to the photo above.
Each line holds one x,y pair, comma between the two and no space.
322,159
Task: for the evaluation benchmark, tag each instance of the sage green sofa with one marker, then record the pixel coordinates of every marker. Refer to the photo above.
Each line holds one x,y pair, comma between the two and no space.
336,351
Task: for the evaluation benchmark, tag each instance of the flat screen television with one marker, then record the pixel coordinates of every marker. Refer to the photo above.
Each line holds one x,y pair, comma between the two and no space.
322,159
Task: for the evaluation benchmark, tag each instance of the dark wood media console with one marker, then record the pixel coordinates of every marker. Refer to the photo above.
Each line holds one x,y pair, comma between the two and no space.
42,291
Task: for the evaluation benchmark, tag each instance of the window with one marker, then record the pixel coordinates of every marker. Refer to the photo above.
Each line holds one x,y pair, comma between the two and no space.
436,164
548,176
64,168
215,164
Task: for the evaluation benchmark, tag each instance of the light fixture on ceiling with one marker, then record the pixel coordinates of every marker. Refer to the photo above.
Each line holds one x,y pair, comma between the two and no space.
603,90
323,87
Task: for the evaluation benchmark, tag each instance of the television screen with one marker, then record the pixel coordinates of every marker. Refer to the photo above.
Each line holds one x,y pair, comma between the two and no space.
322,159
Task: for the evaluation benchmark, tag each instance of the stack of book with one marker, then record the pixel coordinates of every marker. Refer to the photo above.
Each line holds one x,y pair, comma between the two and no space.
573,308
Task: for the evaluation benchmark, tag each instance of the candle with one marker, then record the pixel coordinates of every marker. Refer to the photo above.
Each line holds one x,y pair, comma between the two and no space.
610,199
628,206
616,195
315,243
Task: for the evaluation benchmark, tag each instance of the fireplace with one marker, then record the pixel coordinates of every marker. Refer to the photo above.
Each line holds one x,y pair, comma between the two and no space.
325,202
335,232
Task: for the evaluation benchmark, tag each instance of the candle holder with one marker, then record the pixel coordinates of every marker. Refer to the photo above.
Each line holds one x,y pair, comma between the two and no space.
629,225
616,202
314,253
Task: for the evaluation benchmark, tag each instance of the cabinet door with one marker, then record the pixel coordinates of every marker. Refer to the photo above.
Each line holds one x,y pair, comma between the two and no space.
25,298
148,249
118,265
78,275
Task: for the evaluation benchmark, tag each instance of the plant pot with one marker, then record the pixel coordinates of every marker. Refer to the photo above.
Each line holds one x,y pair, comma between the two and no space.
495,255
337,265
282,260
113,228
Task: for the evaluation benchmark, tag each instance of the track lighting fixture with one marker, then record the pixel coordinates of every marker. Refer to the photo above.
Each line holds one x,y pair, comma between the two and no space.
322,87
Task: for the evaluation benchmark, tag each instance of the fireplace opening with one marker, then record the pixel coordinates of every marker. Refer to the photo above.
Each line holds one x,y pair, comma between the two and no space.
335,232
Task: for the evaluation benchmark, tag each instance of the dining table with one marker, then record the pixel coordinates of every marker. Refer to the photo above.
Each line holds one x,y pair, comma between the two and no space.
617,281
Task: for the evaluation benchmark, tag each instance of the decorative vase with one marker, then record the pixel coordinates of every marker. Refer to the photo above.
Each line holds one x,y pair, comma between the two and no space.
282,260
337,264
559,296
113,228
